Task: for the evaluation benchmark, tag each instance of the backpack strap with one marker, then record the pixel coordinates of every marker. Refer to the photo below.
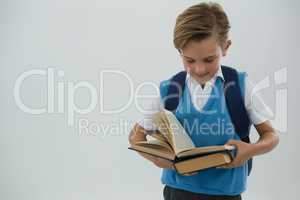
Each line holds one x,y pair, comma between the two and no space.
235,103
175,91
233,97
236,106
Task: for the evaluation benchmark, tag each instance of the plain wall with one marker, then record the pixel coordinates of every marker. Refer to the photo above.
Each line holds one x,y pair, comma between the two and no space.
42,157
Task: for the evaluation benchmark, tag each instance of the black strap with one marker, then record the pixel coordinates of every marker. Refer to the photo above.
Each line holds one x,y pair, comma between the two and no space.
236,106
235,103
175,91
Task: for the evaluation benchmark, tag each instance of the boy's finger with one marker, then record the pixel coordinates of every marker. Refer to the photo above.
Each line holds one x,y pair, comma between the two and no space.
190,174
228,166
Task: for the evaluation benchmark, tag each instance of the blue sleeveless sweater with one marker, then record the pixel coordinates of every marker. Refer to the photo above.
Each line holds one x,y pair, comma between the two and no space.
210,126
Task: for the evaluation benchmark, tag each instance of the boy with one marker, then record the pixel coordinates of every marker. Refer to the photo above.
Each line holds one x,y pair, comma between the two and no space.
201,37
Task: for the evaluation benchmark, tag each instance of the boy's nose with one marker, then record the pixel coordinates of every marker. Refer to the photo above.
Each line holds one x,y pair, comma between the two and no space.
200,69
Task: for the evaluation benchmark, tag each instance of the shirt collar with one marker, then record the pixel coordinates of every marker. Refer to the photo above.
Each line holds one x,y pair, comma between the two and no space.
220,74
217,74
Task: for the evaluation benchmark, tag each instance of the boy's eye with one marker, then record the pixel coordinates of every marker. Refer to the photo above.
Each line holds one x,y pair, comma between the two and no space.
209,61
190,61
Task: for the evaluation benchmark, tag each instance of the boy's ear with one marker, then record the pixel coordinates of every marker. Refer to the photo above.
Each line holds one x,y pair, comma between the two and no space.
226,47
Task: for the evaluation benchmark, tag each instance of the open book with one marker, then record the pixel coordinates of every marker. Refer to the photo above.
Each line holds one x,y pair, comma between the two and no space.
171,142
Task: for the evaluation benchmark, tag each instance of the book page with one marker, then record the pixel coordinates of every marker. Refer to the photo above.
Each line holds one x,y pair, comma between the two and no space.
155,143
155,148
168,125
159,136
201,150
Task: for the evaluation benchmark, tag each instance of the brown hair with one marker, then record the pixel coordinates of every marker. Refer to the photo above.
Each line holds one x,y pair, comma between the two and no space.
199,22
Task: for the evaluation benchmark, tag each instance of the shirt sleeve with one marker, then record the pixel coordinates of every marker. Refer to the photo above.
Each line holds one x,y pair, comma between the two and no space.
147,115
257,110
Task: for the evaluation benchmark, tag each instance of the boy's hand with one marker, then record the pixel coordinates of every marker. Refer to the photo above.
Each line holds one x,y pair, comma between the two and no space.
190,174
159,162
163,163
243,153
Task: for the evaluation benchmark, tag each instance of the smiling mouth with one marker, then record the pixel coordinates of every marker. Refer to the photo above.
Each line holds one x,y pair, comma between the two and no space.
202,75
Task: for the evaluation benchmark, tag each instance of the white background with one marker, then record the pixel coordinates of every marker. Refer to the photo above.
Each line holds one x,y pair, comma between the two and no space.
42,158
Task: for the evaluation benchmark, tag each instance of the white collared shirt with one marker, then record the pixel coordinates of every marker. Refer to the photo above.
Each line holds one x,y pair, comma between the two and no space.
257,110
200,95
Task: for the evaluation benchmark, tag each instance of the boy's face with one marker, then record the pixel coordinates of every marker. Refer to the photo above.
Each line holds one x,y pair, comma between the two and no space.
202,58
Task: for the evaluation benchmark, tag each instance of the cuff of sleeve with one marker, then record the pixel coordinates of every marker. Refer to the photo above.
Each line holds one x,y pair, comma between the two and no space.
148,125
257,118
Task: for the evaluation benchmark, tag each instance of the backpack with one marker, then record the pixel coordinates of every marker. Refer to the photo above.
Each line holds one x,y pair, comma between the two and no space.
233,97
